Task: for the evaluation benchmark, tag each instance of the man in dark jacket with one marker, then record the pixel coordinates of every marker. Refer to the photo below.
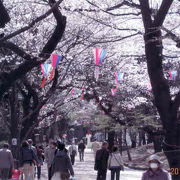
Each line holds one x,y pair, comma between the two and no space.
62,165
101,161
81,148
27,160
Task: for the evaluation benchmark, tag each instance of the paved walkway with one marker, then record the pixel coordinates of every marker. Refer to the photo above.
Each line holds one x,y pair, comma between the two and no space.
85,170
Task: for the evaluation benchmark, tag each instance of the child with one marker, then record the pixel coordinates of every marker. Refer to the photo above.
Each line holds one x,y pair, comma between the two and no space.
16,174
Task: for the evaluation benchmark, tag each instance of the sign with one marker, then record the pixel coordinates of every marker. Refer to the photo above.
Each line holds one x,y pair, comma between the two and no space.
14,142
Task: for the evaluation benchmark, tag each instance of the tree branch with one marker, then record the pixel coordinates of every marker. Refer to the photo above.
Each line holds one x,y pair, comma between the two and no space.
171,35
146,14
124,3
115,7
176,102
40,18
7,79
17,50
4,16
161,14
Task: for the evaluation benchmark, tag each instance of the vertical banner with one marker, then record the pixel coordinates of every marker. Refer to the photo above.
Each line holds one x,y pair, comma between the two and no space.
98,56
173,75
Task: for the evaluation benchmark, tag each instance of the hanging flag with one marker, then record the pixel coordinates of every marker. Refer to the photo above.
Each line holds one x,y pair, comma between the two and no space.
99,100
173,75
99,55
55,61
82,97
113,91
119,77
45,70
72,91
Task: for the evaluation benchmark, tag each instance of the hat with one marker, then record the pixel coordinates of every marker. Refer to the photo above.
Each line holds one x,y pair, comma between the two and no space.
155,157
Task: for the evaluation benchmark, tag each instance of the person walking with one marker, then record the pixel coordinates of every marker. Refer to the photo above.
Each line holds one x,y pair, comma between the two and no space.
27,160
49,157
40,158
81,148
115,163
101,161
61,167
30,142
6,162
95,147
73,152
155,172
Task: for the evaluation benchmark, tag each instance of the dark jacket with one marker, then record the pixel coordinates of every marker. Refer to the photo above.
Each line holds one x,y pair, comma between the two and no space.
157,175
101,159
27,155
81,147
62,163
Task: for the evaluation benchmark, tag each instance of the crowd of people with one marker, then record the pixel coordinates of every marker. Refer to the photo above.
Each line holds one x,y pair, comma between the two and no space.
60,162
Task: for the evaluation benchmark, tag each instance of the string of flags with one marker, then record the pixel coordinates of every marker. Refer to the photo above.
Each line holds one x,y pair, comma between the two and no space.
49,69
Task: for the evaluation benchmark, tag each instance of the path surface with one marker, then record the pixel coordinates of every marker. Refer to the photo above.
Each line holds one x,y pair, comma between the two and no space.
85,170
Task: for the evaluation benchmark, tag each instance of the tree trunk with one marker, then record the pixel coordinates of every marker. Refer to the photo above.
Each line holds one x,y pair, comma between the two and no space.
133,134
14,121
149,139
157,141
127,148
111,136
142,138
173,156
120,140
166,107
4,16
163,101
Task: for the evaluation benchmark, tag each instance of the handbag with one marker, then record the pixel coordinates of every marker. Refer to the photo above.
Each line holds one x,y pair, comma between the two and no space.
65,175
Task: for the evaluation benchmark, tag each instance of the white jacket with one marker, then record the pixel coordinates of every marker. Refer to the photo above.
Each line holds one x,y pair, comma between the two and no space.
115,160
71,148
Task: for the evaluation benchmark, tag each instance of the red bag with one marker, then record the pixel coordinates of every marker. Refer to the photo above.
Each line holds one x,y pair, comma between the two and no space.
15,174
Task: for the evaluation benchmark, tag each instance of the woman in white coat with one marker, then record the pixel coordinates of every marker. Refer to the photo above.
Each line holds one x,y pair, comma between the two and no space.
115,163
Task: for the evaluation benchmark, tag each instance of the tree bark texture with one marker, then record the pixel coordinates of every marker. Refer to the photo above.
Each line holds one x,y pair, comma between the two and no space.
166,107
